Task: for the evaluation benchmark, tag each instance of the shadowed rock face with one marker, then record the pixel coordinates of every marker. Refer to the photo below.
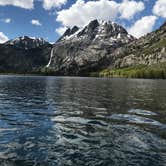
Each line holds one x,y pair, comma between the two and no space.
87,49
69,32
24,55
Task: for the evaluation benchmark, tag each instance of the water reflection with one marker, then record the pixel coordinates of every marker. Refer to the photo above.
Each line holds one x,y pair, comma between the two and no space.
82,121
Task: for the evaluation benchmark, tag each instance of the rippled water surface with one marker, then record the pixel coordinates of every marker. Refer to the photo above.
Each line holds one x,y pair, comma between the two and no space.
57,121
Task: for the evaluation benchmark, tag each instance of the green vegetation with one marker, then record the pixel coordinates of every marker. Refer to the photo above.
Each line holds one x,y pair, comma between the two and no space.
154,71
154,45
46,71
157,71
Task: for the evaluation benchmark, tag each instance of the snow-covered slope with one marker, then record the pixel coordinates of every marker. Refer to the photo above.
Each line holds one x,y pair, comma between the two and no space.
25,42
103,31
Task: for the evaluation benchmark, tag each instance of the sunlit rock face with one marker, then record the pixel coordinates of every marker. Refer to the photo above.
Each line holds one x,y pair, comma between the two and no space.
82,50
147,50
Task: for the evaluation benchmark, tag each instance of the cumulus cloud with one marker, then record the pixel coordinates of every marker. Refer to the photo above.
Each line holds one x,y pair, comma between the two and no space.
61,30
143,26
36,22
3,37
160,8
26,4
83,12
129,8
49,4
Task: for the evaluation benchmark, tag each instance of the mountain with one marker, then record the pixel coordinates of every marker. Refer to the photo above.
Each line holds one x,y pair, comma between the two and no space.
147,50
81,50
106,46
25,42
98,30
24,55
142,58
102,48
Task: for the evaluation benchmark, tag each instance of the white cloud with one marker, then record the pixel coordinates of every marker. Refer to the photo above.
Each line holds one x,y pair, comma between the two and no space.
7,20
160,8
81,13
26,4
36,22
3,37
49,4
61,30
143,26
129,8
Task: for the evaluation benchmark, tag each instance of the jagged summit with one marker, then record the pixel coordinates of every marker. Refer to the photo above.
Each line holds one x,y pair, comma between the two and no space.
106,31
81,50
26,42
69,32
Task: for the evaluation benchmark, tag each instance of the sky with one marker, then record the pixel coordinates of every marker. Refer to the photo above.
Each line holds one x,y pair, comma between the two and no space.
50,18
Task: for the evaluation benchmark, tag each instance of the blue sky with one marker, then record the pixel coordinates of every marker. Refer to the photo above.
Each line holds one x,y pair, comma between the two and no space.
49,18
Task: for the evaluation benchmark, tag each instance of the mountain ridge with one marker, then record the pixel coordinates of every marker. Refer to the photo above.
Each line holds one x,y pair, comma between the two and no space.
24,55
26,42
98,46
94,30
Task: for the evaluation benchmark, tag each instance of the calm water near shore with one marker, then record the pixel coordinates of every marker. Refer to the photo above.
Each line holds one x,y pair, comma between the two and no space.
58,121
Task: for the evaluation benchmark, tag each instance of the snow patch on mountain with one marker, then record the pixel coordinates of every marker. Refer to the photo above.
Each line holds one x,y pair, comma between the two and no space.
103,31
25,42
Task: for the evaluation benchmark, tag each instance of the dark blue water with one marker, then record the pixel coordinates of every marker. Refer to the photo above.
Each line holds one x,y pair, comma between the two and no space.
56,121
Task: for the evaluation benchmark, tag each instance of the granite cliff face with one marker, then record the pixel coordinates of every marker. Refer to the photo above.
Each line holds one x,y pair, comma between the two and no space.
24,55
147,50
80,51
102,45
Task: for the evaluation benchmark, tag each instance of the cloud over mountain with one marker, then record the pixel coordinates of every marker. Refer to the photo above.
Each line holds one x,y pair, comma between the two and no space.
143,26
82,12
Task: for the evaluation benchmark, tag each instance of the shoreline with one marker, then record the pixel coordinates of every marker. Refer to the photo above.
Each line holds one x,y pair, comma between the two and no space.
81,76
155,71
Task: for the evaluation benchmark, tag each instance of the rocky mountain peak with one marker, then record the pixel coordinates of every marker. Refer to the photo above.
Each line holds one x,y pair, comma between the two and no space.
25,42
85,49
97,30
69,32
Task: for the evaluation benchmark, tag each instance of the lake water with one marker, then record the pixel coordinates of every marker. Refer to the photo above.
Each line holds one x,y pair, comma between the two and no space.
58,121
